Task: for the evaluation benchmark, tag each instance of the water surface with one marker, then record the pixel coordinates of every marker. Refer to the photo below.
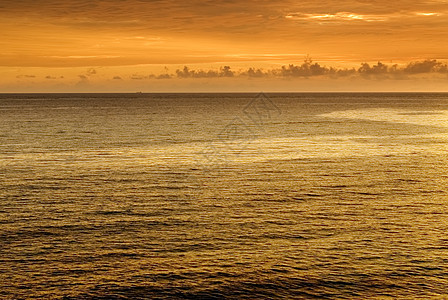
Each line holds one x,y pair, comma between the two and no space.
165,196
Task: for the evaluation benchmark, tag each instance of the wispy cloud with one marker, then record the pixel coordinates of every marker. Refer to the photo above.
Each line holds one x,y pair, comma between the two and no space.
82,33
25,76
340,16
426,14
83,56
53,77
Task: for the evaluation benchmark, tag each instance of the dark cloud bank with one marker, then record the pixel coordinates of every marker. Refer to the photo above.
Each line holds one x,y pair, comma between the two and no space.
310,69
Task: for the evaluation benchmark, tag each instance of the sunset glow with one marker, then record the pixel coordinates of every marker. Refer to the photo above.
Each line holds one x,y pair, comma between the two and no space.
50,45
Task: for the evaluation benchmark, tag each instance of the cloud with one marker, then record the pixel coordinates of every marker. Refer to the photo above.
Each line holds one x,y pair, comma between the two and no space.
139,77
310,69
378,69
137,32
381,70
83,82
165,76
151,76
25,76
91,72
307,69
187,73
427,66
53,77
254,72
340,16
427,14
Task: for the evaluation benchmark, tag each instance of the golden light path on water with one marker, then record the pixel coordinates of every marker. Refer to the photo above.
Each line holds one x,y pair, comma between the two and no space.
265,149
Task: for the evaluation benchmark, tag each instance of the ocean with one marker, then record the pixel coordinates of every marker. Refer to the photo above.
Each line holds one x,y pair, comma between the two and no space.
224,196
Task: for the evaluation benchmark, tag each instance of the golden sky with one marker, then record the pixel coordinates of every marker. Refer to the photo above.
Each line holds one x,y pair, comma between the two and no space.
126,45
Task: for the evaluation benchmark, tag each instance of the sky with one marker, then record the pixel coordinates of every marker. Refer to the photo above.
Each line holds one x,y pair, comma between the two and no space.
204,46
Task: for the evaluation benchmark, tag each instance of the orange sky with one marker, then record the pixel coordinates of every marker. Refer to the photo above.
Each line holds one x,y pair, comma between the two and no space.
123,45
